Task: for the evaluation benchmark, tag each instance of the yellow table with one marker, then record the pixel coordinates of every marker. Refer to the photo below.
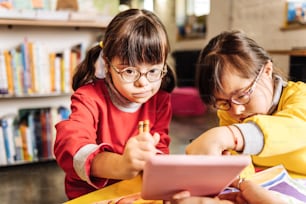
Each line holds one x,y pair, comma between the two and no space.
114,192
130,189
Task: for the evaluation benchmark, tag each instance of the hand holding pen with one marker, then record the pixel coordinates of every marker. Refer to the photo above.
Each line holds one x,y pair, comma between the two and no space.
140,148
144,126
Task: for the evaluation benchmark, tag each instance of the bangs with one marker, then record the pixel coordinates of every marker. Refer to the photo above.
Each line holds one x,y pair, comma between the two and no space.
145,43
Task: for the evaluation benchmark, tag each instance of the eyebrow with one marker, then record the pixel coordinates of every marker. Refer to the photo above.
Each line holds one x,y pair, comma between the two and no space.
241,90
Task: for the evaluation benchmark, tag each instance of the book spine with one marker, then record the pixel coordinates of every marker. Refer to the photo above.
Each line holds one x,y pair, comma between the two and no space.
3,159
9,71
7,145
3,75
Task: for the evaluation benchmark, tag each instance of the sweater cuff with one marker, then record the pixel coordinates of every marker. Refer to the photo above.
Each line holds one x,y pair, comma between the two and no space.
82,163
253,138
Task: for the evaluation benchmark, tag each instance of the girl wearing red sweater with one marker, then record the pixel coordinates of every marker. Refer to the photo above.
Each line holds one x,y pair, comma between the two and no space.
100,143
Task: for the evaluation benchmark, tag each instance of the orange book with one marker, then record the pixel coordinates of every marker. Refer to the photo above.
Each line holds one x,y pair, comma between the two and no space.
24,138
9,71
52,71
32,74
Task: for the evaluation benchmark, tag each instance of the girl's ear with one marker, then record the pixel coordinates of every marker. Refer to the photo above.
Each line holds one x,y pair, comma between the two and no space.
269,69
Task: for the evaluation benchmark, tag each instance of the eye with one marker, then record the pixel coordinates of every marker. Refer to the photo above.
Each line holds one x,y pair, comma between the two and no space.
129,71
154,71
241,96
221,103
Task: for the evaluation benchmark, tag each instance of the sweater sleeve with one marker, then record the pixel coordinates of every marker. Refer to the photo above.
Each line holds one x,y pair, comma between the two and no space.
252,136
162,122
75,144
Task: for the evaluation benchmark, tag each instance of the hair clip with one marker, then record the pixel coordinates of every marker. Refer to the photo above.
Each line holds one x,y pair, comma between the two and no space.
101,44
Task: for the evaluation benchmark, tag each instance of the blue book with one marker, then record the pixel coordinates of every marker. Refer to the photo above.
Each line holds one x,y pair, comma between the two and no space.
6,139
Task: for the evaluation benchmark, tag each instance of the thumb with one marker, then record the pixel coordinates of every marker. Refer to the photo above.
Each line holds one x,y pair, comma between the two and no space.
156,138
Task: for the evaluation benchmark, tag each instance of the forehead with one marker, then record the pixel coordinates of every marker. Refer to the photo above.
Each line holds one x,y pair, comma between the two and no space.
232,82
118,61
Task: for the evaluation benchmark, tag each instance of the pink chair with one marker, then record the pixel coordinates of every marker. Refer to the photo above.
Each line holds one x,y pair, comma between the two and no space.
186,101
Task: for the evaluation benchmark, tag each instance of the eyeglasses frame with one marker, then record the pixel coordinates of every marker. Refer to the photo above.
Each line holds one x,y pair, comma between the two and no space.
118,71
247,93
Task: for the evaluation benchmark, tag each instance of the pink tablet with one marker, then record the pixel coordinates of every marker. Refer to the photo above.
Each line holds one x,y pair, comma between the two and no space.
201,175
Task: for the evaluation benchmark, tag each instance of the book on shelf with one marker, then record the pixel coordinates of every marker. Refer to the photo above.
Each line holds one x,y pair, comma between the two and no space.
29,135
29,69
55,10
8,135
3,158
3,75
17,71
7,139
9,71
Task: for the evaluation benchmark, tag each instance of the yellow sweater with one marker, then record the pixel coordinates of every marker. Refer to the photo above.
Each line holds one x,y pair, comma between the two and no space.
284,131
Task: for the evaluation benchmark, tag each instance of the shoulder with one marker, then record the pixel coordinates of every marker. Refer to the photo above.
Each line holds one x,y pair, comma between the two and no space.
161,96
92,89
295,88
294,93
296,85
92,92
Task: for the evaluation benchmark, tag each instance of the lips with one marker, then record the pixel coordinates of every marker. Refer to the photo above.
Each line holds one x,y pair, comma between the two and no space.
142,94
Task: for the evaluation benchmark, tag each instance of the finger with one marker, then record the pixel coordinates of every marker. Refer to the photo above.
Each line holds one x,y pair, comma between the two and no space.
226,152
145,137
238,182
181,195
156,138
229,196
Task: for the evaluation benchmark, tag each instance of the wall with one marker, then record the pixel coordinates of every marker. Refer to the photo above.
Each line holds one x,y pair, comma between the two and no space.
260,19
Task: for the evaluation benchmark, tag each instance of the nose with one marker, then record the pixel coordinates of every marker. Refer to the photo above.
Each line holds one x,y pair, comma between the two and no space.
237,109
142,81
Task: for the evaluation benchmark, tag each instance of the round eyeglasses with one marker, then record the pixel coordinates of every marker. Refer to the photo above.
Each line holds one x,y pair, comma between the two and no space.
238,99
131,74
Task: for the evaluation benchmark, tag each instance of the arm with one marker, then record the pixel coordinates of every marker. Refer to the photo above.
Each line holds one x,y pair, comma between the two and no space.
288,120
137,151
140,148
250,192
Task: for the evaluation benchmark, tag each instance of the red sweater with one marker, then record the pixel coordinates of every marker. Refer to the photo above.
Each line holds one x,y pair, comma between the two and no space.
96,125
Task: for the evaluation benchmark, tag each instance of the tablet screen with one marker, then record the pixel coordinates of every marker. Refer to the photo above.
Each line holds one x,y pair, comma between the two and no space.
201,175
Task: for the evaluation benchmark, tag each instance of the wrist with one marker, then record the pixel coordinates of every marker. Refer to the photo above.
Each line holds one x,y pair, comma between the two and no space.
238,142
240,139
234,137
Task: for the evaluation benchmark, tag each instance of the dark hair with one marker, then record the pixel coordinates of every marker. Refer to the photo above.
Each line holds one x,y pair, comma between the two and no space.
228,50
134,36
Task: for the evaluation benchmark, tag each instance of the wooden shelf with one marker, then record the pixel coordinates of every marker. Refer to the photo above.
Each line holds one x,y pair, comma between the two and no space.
36,95
297,52
293,27
49,23
26,163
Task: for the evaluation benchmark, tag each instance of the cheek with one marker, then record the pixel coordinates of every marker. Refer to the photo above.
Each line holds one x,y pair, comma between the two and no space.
122,88
260,103
156,86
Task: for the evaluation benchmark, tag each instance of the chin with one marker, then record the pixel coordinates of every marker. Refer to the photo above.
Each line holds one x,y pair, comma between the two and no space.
140,100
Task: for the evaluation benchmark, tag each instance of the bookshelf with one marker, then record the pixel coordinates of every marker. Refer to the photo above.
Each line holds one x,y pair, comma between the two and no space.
53,23
56,36
292,52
